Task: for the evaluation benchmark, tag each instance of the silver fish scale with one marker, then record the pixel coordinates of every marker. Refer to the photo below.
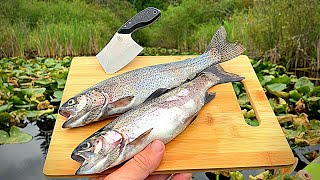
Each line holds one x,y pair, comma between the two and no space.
151,78
166,115
145,116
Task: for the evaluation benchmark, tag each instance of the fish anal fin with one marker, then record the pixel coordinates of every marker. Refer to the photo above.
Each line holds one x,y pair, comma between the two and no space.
208,97
140,138
157,93
122,102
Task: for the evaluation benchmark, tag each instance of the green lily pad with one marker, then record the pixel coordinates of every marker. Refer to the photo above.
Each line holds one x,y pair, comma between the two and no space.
34,114
304,85
25,106
31,91
251,122
50,62
5,107
16,100
313,99
294,94
315,91
236,88
61,83
283,79
15,136
58,94
5,118
265,79
276,87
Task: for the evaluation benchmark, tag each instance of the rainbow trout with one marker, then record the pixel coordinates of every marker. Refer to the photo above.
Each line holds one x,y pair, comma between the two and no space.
121,93
161,118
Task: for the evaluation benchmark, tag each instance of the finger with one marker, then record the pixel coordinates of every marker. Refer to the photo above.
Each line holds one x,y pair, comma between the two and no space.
142,164
182,176
158,177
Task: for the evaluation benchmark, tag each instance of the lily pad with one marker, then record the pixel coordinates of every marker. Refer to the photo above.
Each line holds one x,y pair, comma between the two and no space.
58,94
61,83
315,91
5,118
276,87
294,94
283,79
31,91
5,107
304,85
15,136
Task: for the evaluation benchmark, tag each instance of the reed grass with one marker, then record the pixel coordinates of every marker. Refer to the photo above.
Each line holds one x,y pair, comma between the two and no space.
285,32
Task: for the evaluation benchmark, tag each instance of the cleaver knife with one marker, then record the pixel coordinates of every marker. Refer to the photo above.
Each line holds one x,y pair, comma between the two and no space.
122,48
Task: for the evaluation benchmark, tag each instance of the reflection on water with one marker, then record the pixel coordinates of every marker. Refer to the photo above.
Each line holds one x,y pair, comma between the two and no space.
25,161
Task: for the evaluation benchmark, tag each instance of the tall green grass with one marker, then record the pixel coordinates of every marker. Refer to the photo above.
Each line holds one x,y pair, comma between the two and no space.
56,28
285,32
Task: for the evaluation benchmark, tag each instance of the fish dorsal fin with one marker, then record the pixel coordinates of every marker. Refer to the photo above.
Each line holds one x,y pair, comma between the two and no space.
139,138
122,102
157,93
208,97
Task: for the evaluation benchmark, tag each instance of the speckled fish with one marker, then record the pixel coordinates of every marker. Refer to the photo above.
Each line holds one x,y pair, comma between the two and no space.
121,93
161,118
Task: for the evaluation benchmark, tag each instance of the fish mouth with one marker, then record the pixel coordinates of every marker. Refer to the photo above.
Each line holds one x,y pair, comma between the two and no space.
77,157
86,161
65,113
75,121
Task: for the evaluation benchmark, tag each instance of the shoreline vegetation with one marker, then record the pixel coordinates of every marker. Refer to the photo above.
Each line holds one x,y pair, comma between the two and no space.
270,30
280,37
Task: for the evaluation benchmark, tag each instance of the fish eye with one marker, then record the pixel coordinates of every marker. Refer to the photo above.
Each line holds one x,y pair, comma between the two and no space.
86,145
71,102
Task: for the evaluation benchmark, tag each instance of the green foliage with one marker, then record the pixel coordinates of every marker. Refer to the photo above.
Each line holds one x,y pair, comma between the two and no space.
285,32
15,136
66,28
30,89
268,29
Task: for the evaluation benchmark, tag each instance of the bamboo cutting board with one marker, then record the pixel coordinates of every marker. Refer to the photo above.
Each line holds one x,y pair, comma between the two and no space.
219,138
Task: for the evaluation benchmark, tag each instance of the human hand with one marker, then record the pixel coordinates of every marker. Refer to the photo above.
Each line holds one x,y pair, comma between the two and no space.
143,164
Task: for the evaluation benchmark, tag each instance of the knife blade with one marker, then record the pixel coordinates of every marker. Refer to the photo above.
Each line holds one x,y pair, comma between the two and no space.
122,48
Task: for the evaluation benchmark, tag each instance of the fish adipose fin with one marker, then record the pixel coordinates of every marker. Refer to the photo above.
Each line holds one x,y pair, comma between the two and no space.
219,44
223,76
157,93
139,139
209,97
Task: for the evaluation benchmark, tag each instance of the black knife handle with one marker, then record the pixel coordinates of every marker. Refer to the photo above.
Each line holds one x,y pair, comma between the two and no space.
140,20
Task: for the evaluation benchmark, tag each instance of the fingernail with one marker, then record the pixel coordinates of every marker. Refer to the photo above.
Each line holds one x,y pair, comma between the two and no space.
157,146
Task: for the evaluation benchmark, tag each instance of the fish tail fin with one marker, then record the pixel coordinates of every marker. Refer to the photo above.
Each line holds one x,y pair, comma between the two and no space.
221,49
223,76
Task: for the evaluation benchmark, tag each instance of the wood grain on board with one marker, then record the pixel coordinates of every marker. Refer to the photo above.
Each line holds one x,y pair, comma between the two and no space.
219,139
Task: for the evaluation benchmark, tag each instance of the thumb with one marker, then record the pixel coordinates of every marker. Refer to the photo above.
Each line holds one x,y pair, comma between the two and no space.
142,164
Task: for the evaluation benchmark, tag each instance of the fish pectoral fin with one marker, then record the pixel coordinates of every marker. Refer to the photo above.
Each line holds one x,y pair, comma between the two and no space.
208,97
139,138
191,119
157,93
122,102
